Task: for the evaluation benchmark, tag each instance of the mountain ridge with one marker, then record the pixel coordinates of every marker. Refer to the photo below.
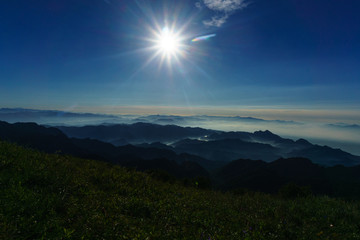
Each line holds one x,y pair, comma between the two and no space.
241,173
273,146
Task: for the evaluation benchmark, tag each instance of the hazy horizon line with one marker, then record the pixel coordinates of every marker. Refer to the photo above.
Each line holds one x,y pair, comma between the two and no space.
289,114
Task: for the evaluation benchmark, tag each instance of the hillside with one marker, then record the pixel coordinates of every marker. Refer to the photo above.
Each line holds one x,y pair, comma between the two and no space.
49,196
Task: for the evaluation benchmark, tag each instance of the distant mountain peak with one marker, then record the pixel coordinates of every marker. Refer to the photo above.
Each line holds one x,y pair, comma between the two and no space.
266,134
303,142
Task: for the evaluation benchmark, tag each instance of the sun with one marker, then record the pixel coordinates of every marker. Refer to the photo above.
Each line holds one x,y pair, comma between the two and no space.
168,43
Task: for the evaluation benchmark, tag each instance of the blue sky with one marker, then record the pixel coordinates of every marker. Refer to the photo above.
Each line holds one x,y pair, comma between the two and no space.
94,56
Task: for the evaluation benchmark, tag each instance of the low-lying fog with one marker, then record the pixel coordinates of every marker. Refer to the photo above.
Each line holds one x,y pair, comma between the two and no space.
336,135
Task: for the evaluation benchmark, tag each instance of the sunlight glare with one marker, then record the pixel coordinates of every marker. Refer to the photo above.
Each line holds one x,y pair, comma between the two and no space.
168,42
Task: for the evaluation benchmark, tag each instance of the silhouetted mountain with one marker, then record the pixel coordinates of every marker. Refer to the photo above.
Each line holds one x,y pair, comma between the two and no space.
32,135
52,140
227,149
325,155
303,172
288,148
270,177
135,133
53,116
122,134
303,143
245,136
241,119
155,145
205,163
162,119
250,174
266,137
345,126
214,145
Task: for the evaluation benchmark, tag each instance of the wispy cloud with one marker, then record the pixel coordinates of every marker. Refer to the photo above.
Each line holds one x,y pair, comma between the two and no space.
198,5
222,8
216,21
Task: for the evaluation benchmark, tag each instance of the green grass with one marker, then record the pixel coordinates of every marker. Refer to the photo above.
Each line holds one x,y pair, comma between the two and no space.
46,196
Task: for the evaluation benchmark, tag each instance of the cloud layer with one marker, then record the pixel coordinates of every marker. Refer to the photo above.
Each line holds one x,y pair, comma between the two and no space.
222,8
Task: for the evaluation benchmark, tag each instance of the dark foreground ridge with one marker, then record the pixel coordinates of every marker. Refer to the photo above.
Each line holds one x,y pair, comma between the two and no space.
61,197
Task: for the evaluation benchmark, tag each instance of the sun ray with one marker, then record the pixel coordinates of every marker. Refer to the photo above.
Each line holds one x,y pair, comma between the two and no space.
150,59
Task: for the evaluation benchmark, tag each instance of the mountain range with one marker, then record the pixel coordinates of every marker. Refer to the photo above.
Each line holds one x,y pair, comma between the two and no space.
214,145
52,140
184,158
334,134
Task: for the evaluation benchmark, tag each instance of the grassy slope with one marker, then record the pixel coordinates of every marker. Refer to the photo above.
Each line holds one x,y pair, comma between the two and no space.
56,197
